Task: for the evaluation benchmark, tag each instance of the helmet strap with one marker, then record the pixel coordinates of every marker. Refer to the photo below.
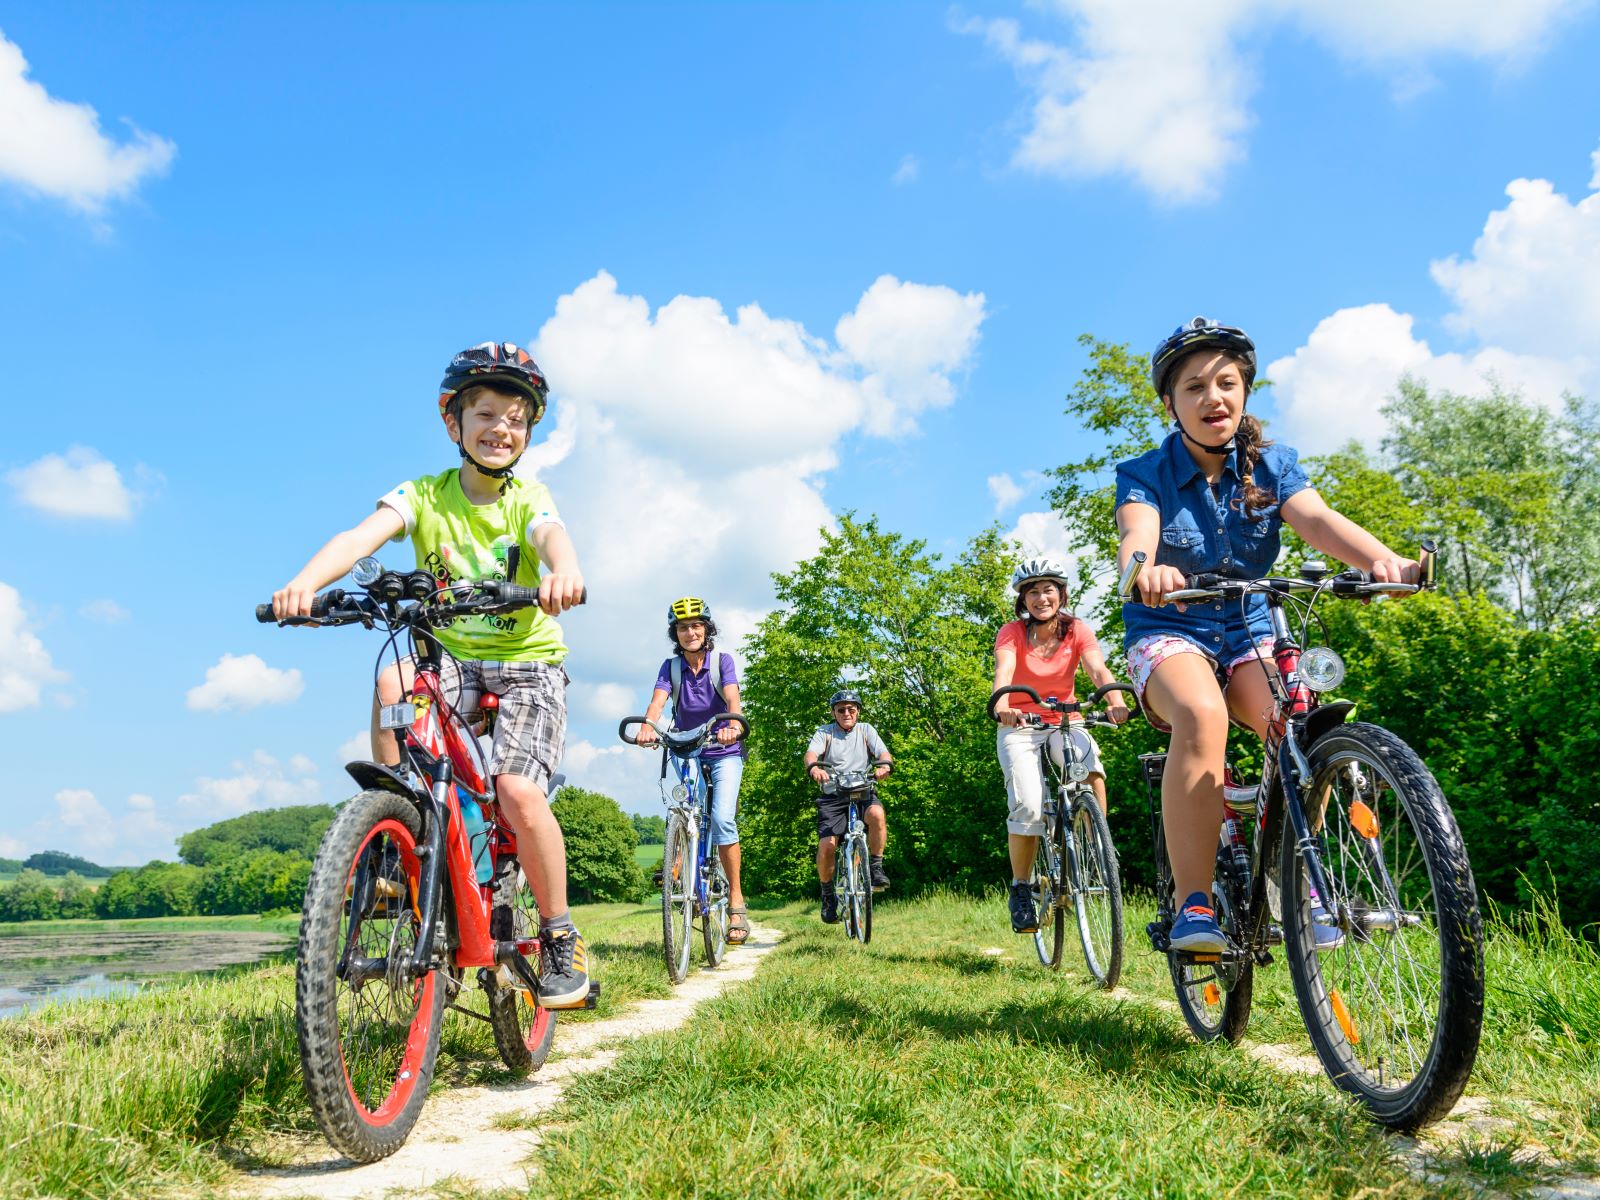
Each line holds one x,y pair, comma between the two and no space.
503,474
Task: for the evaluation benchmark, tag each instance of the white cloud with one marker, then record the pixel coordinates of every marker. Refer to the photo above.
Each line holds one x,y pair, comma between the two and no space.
627,774
78,483
241,681
25,666
11,847
259,782
83,825
56,148
1009,492
1533,280
609,701
103,612
907,171
1528,295
355,748
1146,91
1042,534
1332,389
690,448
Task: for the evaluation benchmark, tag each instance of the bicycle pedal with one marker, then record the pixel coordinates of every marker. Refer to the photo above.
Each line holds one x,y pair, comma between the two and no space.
1203,958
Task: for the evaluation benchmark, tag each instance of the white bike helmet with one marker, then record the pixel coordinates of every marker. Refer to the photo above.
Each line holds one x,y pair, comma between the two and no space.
1030,569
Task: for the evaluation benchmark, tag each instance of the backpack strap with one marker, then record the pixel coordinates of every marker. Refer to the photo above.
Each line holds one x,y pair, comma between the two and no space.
675,666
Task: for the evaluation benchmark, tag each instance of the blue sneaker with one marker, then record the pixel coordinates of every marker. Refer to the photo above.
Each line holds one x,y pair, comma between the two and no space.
1196,928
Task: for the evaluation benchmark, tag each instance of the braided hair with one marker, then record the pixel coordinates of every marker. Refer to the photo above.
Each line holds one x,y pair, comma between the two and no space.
1248,437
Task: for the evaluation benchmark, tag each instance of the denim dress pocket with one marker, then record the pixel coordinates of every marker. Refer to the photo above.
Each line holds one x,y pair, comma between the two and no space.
1182,545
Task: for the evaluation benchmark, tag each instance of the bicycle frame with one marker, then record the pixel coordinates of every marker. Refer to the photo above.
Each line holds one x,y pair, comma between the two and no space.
697,787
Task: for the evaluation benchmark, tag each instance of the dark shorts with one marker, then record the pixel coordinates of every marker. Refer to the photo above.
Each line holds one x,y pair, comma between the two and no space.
833,812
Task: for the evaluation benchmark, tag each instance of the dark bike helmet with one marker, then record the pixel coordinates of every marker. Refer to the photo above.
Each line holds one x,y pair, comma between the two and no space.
843,696
502,365
1197,335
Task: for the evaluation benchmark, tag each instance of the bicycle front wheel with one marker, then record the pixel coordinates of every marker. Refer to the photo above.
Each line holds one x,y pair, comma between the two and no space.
860,883
368,1028
1096,891
714,921
1392,994
677,896
1049,886
523,1030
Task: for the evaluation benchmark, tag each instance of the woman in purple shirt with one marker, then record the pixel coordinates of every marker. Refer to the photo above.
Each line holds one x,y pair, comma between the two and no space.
706,683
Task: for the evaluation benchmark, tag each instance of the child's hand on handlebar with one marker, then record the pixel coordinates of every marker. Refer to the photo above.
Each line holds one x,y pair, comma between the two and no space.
1156,581
1395,570
293,599
557,593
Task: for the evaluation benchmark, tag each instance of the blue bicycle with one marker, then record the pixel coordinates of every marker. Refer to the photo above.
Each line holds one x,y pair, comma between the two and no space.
693,883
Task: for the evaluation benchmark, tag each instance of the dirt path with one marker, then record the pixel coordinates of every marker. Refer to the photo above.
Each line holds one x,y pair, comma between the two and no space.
456,1141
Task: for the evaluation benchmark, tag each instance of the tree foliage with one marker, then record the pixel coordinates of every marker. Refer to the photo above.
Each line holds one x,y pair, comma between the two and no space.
295,830
600,843
58,862
915,638
652,830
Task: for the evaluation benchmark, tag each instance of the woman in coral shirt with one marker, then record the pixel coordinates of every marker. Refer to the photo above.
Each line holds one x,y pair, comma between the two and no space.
1041,649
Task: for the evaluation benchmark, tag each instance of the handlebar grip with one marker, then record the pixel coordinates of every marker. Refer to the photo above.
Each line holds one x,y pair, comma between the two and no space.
622,729
527,597
744,726
1106,689
1125,588
1020,689
321,606
264,614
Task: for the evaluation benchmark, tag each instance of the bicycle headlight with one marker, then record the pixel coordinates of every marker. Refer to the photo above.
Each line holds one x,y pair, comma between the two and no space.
366,571
679,793
1321,669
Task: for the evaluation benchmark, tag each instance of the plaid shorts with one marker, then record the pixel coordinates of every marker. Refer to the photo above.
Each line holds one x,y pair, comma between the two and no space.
530,732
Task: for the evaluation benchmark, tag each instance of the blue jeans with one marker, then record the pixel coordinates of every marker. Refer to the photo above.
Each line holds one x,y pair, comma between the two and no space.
725,774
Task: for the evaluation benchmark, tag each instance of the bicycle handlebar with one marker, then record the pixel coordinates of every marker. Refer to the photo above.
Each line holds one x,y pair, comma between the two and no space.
1351,583
338,607
1081,707
683,739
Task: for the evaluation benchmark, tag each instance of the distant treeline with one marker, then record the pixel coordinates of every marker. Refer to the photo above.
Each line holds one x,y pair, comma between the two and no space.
56,862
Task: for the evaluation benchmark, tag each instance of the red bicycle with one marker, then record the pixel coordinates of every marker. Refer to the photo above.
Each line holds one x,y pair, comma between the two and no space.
415,884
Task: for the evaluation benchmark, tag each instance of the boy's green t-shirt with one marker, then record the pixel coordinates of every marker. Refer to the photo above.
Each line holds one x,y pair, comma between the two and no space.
456,539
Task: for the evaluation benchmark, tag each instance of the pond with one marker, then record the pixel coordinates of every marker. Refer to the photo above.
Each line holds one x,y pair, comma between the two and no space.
81,962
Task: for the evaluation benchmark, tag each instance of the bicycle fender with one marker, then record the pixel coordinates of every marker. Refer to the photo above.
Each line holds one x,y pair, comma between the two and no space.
377,776
1326,718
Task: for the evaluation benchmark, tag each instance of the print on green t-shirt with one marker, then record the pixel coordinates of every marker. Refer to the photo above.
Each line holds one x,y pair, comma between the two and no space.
456,539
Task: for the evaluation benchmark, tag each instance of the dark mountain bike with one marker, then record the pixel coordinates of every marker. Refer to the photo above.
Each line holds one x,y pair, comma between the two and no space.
693,882
1351,836
852,871
415,884
1075,864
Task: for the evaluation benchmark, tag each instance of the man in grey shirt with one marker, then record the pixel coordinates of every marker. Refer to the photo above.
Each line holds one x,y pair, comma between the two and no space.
847,744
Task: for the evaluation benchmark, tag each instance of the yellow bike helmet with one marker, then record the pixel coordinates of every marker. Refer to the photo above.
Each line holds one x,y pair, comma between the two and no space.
689,608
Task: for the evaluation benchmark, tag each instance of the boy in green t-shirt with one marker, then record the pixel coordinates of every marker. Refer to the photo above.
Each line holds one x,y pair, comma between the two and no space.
473,523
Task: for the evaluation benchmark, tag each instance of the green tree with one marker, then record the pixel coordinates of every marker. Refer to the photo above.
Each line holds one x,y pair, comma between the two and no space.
296,829
77,897
652,830
254,882
31,897
600,843
157,889
58,862
916,638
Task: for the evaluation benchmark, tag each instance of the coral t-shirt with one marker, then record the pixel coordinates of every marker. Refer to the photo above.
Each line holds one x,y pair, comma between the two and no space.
1053,676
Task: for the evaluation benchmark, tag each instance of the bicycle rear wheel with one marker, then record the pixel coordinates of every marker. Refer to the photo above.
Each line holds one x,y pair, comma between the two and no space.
368,1029
858,872
1096,891
1214,991
677,896
1395,1008
714,921
523,1030
1049,884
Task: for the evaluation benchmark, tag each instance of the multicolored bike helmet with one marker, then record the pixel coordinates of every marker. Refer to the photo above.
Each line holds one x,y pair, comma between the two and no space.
503,366
1198,334
843,696
1031,569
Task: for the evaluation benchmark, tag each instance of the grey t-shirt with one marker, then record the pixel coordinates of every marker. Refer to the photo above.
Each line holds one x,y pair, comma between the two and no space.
842,751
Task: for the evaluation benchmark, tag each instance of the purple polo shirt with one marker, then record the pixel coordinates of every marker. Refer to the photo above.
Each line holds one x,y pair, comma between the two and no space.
699,701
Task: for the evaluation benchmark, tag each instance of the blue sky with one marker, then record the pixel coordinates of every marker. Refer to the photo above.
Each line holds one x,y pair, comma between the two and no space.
779,260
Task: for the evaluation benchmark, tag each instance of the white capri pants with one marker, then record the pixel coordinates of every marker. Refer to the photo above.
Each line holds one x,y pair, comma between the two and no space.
1018,748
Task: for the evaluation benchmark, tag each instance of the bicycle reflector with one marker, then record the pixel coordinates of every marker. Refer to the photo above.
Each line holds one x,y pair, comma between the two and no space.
1321,669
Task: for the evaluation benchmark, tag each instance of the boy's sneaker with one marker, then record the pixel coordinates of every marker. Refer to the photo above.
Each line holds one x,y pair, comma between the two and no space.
1196,928
880,881
564,969
1024,918
830,907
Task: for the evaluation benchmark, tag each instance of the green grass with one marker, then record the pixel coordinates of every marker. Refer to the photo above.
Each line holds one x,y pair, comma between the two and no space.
649,857
939,1061
287,924
167,1089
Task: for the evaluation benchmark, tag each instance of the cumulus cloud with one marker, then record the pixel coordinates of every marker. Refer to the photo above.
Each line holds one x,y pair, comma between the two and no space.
354,748
25,665
1147,92
628,775
1527,296
691,447
242,681
55,148
1009,492
261,781
83,825
79,483
907,171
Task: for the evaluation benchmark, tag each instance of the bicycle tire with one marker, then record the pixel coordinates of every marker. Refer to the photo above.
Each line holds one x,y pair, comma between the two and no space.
1049,870
860,890
523,1029
1435,931
677,896
1215,997
1097,891
367,1049
714,921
